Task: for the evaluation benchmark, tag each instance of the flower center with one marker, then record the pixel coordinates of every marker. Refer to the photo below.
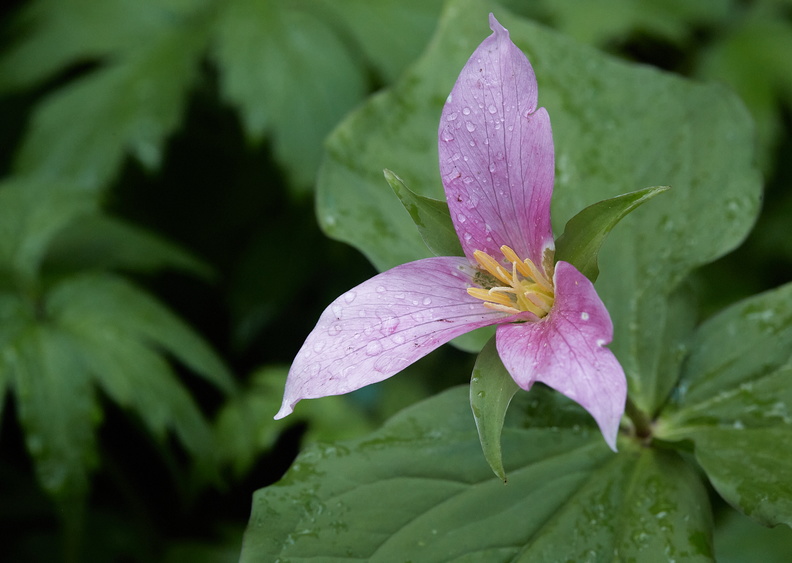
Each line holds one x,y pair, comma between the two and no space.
525,288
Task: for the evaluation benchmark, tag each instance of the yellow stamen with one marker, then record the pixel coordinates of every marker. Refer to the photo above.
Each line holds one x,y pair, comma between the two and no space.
526,287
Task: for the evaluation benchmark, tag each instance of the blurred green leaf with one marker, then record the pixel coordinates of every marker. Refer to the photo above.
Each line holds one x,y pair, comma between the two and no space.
32,213
82,131
391,33
605,21
430,216
97,302
57,408
491,391
290,74
735,403
584,233
55,34
752,56
419,490
104,242
739,539
245,427
611,128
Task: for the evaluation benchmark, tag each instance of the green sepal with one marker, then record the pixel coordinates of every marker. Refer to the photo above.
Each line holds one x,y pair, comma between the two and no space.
585,232
491,391
431,216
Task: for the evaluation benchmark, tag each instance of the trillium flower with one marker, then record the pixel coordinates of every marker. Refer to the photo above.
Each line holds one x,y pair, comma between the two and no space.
497,167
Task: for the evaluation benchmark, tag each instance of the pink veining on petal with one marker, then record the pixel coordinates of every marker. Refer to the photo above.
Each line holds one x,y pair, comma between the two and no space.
566,350
385,324
496,153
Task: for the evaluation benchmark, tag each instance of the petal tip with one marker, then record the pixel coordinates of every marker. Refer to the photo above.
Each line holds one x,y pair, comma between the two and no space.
285,410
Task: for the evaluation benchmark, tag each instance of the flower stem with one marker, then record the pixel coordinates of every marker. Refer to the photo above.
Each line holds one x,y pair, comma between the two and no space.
640,420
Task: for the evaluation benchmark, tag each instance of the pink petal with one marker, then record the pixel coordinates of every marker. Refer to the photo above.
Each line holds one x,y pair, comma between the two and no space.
383,325
496,153
566,350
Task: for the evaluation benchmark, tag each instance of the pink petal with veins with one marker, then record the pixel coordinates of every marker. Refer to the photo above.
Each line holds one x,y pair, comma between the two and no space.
496,153
566,350
385,324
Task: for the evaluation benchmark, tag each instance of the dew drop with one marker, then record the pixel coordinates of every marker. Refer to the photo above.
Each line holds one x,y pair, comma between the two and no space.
584,316
468,236
334,329
319,346
470,127
349,296
468,179
466,111
492,108
313,369
427,301
447,135
399,339
472,143
373,348
337,310
399,295
452,116
461,218
380,289
492,167
389,325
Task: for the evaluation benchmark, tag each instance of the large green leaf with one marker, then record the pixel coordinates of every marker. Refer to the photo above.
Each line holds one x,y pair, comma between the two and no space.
83,131
617,127
291,76
419,490
735,403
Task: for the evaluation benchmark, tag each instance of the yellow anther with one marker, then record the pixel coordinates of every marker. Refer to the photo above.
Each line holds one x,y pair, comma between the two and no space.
526,287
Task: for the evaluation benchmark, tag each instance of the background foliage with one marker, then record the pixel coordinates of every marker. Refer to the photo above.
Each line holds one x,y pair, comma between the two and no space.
161,263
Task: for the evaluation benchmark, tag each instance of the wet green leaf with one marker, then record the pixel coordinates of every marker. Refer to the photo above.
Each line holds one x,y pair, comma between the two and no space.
611,133
419,490
431,216
584,233
734,403
491,391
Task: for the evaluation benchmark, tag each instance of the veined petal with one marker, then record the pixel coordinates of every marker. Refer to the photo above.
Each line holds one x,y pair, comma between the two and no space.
383,325
496,153
566,350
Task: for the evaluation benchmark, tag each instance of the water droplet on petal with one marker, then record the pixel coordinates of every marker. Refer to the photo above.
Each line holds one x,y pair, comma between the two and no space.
467,237
492,108
349,296
373,348
470,126
427,301
466,111
313,369
492,167
337,310
452,116
399,295
380,289
399,339
584,316
447,135
319,346
334,329
389,325
461,218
